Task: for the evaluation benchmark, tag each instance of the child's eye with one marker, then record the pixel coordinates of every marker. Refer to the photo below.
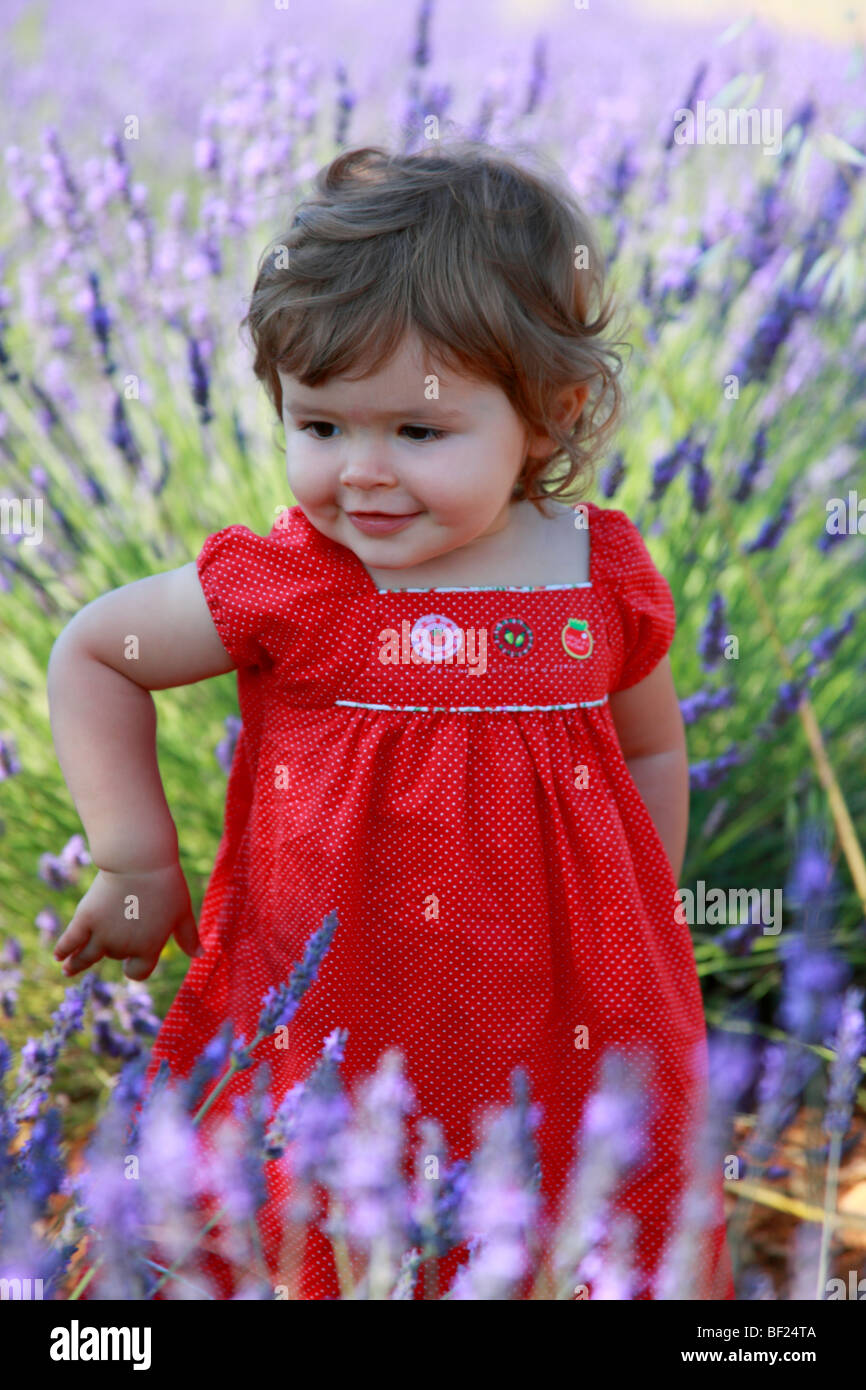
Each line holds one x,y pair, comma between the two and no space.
326,424
426,429
323,424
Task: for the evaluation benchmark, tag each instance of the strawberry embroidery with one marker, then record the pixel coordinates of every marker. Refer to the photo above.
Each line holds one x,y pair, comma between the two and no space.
577,638
513,636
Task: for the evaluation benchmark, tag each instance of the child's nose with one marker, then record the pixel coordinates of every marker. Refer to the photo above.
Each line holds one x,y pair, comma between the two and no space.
367,465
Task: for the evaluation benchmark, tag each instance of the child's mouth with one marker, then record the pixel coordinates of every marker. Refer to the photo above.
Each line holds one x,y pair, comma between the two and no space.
381,523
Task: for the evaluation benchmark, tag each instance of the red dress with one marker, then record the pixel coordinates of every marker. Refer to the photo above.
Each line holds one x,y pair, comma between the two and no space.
408,783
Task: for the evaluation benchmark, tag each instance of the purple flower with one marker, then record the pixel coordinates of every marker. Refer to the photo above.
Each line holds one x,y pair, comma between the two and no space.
694,707
772,330
804,1263
10,983
41,1165
645,290
121,436
209,1064
132,1004
324,1080
850,1046
437,1196
252,1109
682,1269
688,104
612,476
170,1178
316,1133
733,1063
700,481
812,987
99,319
751,467
788,698
10,763
369,1181
199,377
225,749
611,1141
812,874
11,952
134,1008
737,939
346,102
280,1005
61,871
668,466
421,53
109,1043
836,197
772,530
708,774
824,645
623,175
112,1203
407,1275
500,1206
762,232
785,1072
39,1056
711,640
828,539
538,78
206,150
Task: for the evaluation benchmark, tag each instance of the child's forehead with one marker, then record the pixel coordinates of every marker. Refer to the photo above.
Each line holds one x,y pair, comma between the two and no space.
393,378
408,358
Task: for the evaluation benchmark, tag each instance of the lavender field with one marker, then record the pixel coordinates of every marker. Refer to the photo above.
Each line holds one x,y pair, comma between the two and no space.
148,159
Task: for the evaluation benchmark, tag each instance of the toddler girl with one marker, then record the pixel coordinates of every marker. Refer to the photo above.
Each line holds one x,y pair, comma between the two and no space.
459,726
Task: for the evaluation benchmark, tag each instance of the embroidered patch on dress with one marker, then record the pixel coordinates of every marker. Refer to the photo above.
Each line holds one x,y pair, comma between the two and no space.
513,636
436,639
577,638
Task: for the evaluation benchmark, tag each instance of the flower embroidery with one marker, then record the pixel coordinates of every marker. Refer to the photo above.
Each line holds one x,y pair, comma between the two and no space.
577,638
513,636
436,639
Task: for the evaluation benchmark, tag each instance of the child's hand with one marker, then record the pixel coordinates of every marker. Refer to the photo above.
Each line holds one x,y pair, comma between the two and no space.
103,924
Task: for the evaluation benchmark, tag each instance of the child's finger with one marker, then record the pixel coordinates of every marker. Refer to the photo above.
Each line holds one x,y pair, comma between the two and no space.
186,936
83,959
76,936
139,967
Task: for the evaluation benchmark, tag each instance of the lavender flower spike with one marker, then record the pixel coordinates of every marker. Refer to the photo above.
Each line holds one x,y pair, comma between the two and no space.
280,1005
845,1069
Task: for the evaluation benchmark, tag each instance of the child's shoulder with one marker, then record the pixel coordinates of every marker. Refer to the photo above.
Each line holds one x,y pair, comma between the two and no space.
292,557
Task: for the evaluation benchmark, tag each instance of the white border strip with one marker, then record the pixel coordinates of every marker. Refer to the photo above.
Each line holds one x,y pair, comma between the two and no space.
494,589
470,709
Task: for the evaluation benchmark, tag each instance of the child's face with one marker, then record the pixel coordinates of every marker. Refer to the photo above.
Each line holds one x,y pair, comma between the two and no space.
371,446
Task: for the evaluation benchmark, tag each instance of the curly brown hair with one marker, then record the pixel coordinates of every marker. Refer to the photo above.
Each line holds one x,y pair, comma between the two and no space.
475,253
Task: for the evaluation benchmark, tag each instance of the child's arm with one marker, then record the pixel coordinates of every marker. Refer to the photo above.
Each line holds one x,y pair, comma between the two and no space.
149,635
652,736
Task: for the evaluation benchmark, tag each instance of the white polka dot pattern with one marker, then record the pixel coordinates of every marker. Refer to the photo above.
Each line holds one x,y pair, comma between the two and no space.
497,877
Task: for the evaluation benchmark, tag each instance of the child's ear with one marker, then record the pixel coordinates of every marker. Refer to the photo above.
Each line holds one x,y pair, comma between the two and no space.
569,405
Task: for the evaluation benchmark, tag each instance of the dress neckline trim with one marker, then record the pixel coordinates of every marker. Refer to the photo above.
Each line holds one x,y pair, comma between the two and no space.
363,572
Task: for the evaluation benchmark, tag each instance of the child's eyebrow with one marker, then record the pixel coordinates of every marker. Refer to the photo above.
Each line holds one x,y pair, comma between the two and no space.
412,412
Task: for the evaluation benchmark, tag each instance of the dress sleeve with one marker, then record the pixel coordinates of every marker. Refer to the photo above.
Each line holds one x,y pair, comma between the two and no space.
242,576
644,621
